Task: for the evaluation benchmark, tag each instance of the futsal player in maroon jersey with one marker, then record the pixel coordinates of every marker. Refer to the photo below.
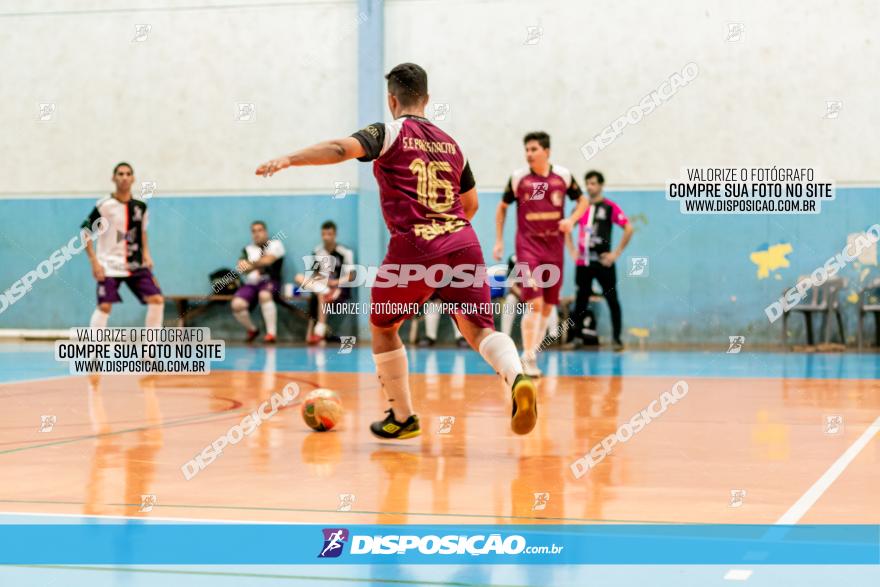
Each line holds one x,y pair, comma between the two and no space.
539,191
428,196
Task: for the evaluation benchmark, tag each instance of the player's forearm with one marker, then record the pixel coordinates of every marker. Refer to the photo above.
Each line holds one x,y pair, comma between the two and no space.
579,210
263,262
500,215
627,235
90,250
324,153
569,244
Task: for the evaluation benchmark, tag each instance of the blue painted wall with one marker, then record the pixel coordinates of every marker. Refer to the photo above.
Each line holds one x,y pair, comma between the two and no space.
189,238
702,286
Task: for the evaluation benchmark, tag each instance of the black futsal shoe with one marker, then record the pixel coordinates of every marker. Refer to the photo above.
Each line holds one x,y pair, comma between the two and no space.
389,428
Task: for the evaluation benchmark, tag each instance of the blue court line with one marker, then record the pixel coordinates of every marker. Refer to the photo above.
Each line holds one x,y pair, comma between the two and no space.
26,362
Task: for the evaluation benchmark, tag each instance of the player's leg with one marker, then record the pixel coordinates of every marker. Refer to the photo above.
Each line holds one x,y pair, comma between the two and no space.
508,312
155,311
270,313
530,323
497,348
432,323
530,329
552,323
607,277
319,332
550,296
392,368
389,354
546,314
245,297
583,280
144,286
459,337
107,294
313,319
100,316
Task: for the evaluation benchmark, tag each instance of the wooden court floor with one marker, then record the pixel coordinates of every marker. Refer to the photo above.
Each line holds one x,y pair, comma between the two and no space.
116,439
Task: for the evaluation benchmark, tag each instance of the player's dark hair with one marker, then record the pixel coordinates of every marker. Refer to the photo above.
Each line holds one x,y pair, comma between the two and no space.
540,136
408,83
597,174
123,163
328,225
261,223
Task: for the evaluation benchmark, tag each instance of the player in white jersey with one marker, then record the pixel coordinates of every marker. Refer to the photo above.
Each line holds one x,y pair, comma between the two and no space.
122,253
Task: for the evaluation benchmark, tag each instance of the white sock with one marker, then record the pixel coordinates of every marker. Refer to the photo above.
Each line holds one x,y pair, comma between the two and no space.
530,329
99,319
542,330
244,318
500,352
392,367
508,313
320,329
553,322
432,321
270,316
155,314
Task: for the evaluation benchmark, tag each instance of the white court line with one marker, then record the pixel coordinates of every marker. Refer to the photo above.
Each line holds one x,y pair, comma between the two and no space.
812,495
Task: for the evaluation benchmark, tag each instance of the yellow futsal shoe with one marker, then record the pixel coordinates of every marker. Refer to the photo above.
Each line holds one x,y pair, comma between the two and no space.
525,404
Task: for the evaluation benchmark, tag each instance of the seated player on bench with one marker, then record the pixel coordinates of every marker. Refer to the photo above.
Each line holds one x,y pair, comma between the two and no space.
260,268
332,268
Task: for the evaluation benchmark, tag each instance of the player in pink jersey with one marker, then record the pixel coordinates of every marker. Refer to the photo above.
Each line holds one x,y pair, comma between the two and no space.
539,191
428,196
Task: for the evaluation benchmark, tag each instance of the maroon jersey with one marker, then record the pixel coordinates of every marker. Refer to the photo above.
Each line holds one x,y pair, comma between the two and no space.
540,205
421,173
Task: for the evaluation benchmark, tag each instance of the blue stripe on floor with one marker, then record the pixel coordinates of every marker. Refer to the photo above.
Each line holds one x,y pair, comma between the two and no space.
26,361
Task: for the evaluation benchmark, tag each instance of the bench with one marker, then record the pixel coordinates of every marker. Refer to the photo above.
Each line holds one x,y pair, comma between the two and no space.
298,305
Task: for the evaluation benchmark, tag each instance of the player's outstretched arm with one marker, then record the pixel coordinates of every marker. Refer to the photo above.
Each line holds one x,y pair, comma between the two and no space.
324,153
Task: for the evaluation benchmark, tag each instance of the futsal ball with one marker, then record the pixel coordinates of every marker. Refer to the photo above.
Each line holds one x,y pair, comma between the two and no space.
322,409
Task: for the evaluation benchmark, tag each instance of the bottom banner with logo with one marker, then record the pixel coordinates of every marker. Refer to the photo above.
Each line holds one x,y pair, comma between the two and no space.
142,542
